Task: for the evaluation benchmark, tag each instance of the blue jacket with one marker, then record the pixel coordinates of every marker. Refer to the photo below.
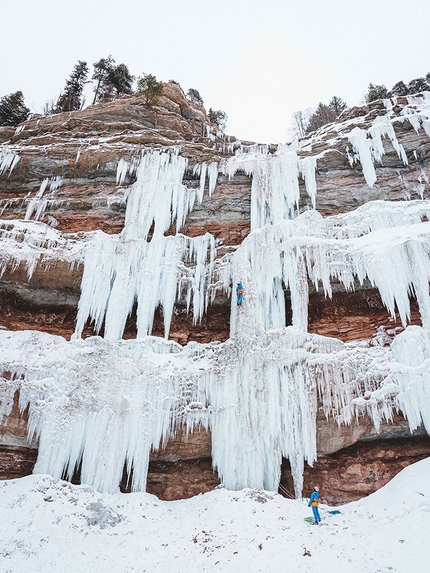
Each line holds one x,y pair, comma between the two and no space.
314,496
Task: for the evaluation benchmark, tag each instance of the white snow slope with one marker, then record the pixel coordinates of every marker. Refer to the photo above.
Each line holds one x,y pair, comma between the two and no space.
54,527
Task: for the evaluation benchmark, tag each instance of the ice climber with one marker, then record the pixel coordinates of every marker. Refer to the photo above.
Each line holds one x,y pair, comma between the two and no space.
239,293
314,502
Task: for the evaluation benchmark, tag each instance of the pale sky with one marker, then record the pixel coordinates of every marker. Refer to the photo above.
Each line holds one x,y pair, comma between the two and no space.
258,60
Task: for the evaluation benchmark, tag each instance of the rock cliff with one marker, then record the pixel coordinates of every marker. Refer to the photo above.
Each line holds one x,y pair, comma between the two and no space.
64,178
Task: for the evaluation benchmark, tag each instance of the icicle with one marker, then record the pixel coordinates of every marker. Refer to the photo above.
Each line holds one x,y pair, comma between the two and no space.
213,175
8,160
202,172
307,167
362,146
39,203
121,171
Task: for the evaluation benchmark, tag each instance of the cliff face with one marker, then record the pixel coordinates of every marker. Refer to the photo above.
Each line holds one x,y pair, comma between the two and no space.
73,171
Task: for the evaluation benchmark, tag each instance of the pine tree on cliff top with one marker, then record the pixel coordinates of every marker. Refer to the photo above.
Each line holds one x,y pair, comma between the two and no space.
111,79
71,98
150,88
13,111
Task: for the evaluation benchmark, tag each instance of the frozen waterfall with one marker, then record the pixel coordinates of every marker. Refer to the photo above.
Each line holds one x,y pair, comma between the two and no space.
105,403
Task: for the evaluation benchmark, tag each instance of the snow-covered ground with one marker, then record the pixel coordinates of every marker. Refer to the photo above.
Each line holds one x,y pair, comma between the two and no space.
52,527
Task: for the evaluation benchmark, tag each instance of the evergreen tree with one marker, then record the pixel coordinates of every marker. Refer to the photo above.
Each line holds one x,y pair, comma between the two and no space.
111,79
337,105
150,88
218,117
121,79
194,96
71,98
102,70
375,92
13,111
322,115
418,85
399,89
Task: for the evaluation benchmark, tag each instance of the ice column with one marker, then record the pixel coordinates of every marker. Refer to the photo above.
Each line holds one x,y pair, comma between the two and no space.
275,190
262,409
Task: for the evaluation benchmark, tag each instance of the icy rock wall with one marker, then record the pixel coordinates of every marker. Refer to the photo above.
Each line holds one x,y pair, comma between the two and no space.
31,243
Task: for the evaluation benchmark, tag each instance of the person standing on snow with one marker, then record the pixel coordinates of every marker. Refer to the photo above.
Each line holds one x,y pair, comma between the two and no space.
314,502
239,293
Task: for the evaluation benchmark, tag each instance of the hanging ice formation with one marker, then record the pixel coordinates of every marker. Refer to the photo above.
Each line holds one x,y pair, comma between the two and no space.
368,145
8,160
127,269
275,182
38,204
103,403
376,242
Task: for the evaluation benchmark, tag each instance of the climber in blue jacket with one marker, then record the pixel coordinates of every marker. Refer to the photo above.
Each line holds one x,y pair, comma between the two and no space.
239,293
314,502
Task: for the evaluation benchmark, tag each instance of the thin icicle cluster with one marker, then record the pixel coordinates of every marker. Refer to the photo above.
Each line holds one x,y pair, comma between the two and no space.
8,160
369,148
417,112
367,143
38,204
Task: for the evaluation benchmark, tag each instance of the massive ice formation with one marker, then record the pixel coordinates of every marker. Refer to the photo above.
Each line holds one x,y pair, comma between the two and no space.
129,269
104,403
120,272
377,242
